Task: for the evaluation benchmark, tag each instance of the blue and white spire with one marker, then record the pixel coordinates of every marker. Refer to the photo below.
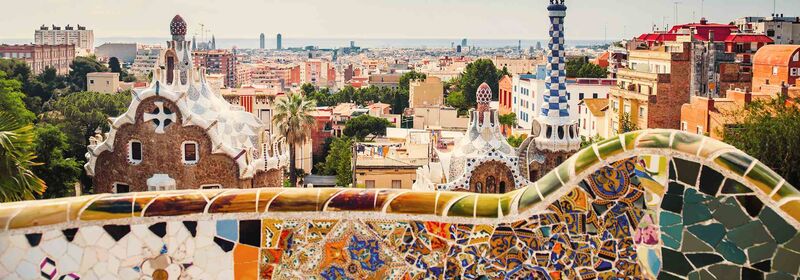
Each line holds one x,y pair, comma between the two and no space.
557,131
555,97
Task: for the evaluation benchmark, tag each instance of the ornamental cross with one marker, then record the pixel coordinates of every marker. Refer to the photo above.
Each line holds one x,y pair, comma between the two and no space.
160,117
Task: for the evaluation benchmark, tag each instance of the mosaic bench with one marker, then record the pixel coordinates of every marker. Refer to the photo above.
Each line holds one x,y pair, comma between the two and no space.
649,204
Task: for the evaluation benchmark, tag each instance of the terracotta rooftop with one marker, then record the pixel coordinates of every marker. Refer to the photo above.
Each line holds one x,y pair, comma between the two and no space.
775,54
596,105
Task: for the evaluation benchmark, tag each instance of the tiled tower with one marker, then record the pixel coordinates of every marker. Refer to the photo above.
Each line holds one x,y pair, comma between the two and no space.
554,133
558,131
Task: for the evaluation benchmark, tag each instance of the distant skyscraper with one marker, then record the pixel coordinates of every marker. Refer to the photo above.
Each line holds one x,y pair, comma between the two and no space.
280,41
213,43
538,45
352,44
194,43
464,42
262,41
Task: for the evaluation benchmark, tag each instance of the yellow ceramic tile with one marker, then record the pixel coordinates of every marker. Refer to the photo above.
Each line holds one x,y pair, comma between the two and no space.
413,203
40,214
236,201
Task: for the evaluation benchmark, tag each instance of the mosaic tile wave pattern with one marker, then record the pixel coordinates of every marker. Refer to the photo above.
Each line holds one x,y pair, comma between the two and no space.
655,204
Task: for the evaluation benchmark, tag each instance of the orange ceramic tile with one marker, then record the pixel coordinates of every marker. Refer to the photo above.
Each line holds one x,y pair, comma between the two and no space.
265,196
295,200
413,203
234,201
245,262
176,205
793,209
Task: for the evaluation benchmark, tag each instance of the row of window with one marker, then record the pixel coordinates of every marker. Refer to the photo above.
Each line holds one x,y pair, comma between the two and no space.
125,188
396,184
188,150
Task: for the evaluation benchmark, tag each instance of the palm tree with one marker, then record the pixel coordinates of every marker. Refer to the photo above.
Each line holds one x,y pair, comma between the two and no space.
17,181
294,122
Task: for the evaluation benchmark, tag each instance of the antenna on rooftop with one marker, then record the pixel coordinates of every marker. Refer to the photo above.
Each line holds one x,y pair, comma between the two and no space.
702,8
676,11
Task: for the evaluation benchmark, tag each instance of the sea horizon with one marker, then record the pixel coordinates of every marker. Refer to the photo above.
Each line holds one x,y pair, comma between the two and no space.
326,43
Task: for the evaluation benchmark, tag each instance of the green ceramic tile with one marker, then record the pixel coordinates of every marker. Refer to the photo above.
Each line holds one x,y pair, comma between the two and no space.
687,171
779,276
724,271
675,262
505,202
736,162
730,252
687,143
610,147
763,177
444,200
786,261
584,159
748,235
528,199
548,184
711,233
668,219
732,186
710,181
761,252
487,206
711,146
695,213
703,259
464,207
630,139
693,244
730,213
776,225
655,139
563,170
794,243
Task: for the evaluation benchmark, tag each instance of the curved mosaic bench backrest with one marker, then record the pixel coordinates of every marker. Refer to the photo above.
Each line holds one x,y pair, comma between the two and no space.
648,204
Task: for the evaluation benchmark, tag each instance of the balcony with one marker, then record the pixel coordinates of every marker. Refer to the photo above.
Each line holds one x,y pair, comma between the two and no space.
629,74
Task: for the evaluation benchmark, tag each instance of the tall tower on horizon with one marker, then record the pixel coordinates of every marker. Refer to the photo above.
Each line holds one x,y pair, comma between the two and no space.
554,133
279,40
261,41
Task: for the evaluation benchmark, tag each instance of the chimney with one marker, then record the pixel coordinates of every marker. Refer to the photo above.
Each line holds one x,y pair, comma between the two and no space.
703,21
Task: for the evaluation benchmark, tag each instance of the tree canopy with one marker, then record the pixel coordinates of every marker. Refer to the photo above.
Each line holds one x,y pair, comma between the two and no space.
406,78
82,66
478,72
768,130
338,161
365,126
581,68
11,100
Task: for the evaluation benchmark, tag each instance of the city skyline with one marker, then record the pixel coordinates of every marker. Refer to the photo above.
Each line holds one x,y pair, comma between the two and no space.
413,19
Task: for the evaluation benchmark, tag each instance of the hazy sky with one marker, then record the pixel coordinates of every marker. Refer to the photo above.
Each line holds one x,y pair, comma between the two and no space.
475,19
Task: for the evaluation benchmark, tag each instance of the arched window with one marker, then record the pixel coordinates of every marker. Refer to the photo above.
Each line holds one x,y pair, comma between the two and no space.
135,151
502,187
190,153
491,184
479,187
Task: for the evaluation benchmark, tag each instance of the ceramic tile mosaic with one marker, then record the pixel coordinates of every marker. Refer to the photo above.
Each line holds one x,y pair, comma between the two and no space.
646,205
